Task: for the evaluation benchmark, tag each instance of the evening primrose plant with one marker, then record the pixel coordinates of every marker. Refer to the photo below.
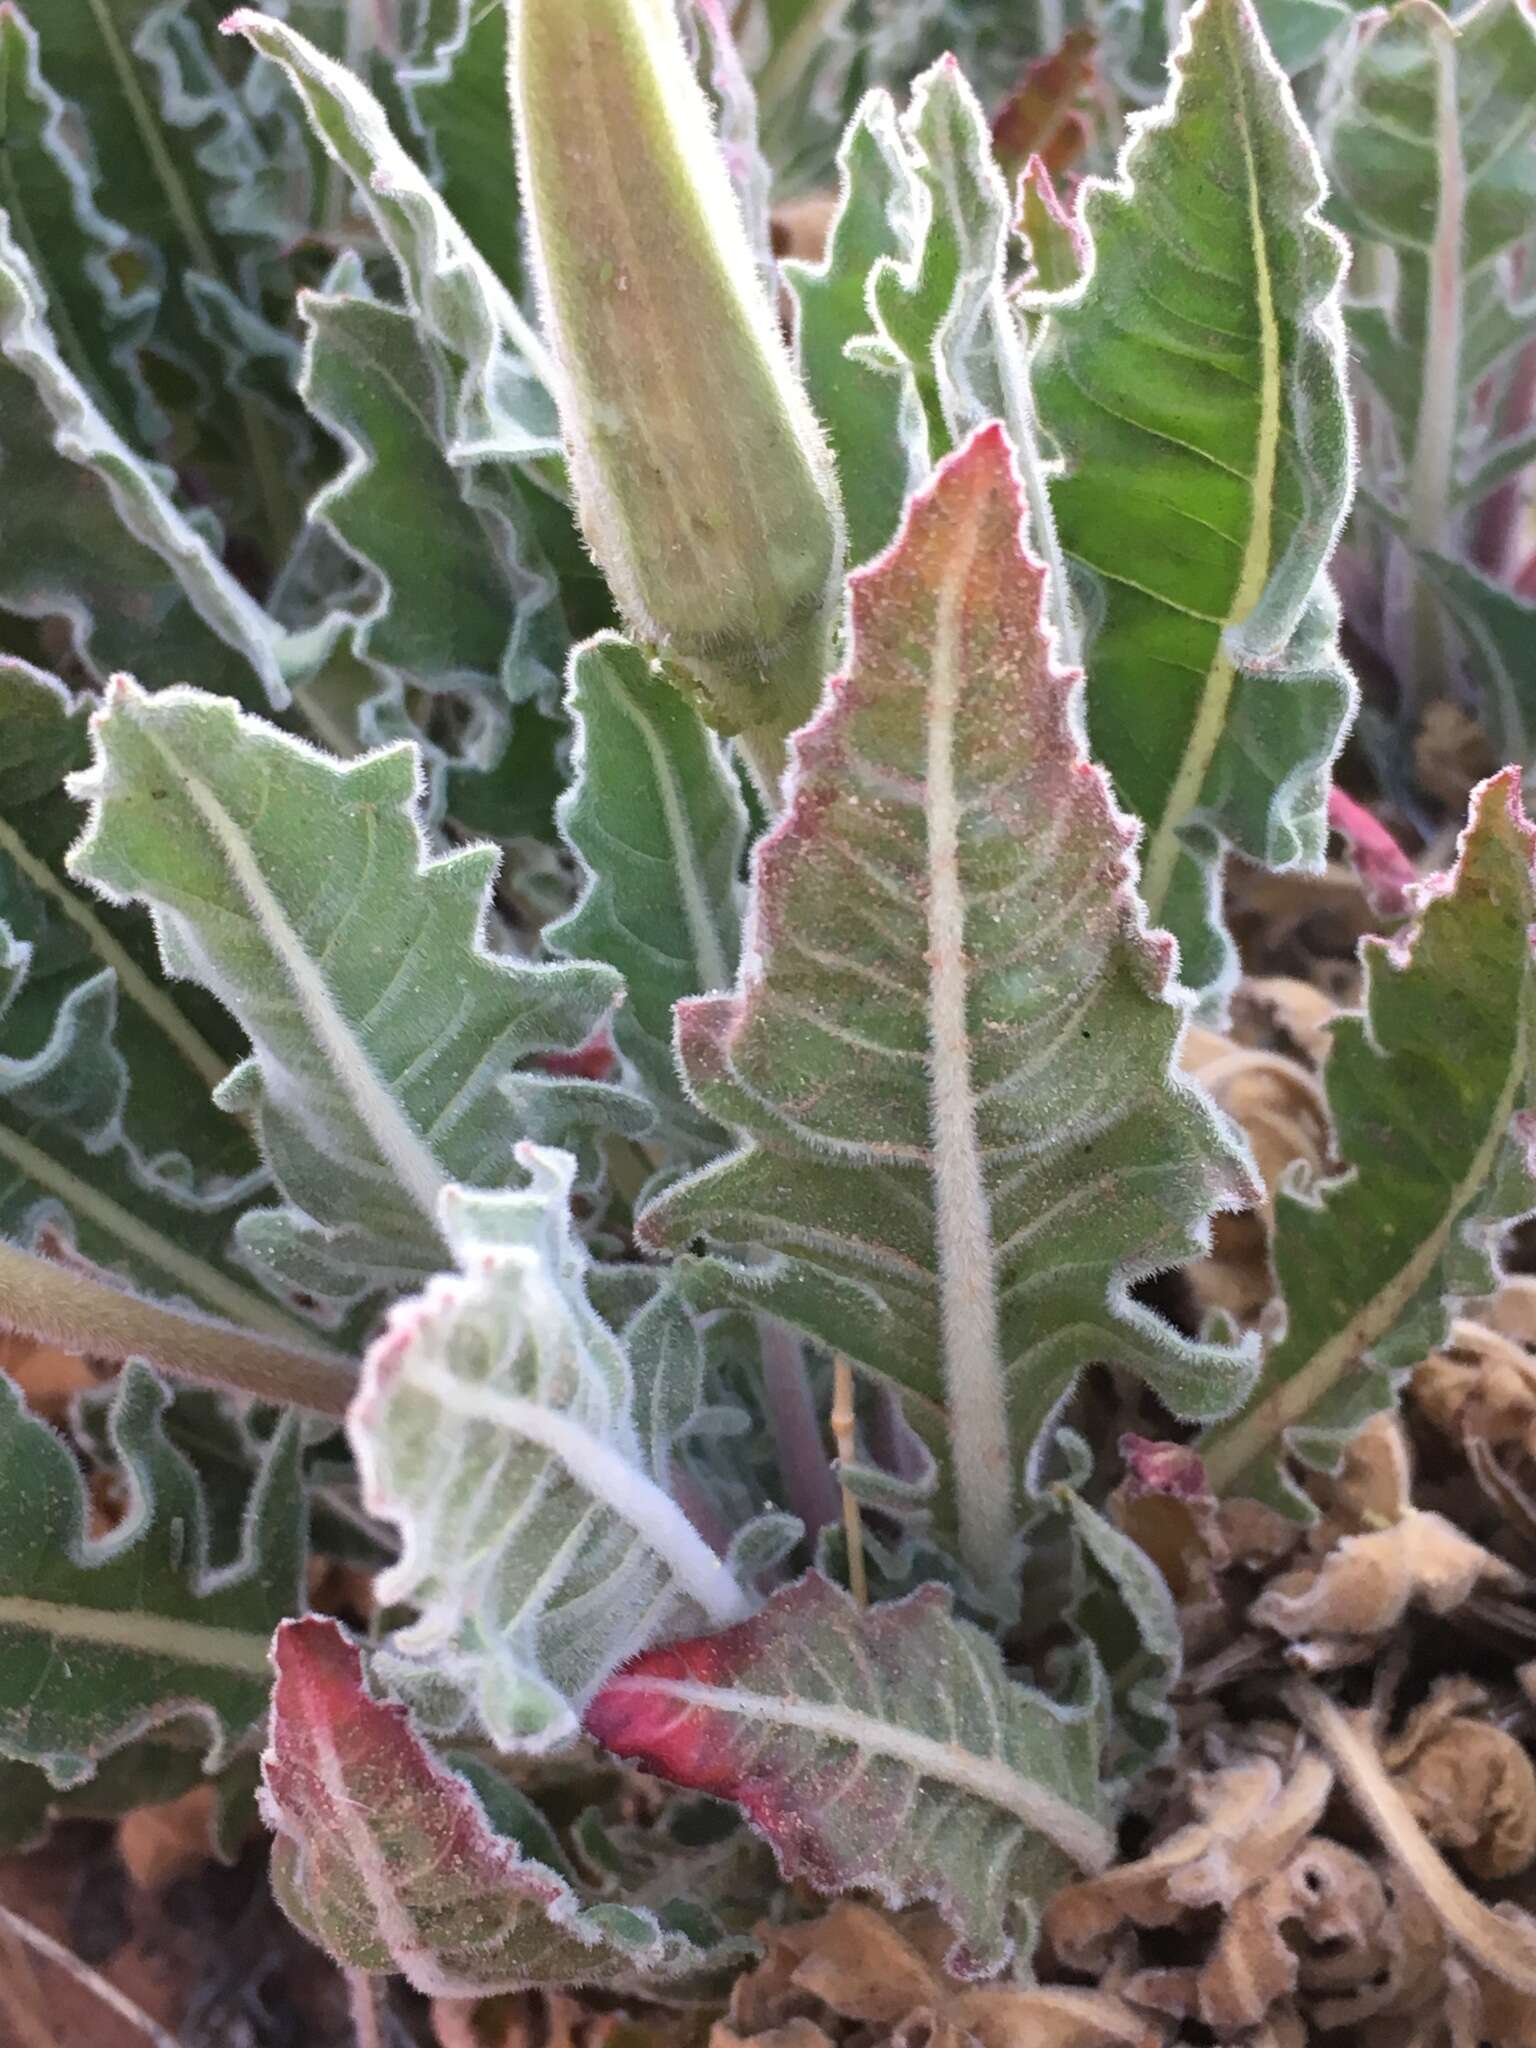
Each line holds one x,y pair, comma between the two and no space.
607,845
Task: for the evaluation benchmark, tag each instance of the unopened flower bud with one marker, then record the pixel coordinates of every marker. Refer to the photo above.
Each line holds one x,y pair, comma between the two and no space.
702,479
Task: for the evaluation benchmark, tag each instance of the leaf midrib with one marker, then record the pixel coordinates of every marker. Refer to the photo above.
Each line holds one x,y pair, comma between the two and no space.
989,1779
611,1479
131,978
1184,796
399,1144
1231,1450
976,1393
203,1282
143,1633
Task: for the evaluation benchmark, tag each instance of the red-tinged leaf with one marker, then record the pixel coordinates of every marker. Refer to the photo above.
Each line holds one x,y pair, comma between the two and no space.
1058,250
1385,870
1040,117
394,1862
950,1048
885,1749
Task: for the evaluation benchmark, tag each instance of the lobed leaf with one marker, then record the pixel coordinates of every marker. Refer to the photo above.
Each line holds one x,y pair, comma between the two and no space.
103,1638
385,1036
477,380
1428,130
460,603
1193,384
70,243
944,322
499,1428
1430,1090
493,363
656,817
214,188
885,1749
395,1862
863,406
90,534
950,1052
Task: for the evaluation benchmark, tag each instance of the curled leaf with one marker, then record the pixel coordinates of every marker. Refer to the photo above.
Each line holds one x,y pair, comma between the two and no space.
396,1862
883,1748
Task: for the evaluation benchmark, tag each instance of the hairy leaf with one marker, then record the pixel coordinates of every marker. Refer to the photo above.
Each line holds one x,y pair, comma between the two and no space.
1430,1091
459,105
103,1638
384,1034
941,307
111,1151
395,1862
175,1046
213,187
861,403
477,377
493,362
1194,385
459,607
498,1426
885,1749
71,245
90,534
950,1051
656,817
1429,135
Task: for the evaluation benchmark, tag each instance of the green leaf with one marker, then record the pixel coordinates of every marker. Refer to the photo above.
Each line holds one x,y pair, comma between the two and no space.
69,242
883,1749
860,403
944,319
458,606
214,188
146,1773
111,1151
1430,1092
90,533
1490,640
478,378
104,1638
1194,386
395,1862
385,1036
175,1047
1121,1609
656,817
500,1428
950,1053
459,105
493,364
1429,135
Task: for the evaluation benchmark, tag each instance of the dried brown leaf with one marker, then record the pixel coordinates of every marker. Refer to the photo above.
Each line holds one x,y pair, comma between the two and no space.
1250,1818
159,1844
1365,1584
1280,1013
1470,1785
855,1964
1281,1110
1498,1940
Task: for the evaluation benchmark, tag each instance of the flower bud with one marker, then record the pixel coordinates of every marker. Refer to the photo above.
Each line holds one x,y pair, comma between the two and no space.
702,480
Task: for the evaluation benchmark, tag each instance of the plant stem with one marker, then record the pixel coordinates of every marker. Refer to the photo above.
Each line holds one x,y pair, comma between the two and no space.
71,1308
810,1491
363,2008
842,1436
764,751
107,1992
